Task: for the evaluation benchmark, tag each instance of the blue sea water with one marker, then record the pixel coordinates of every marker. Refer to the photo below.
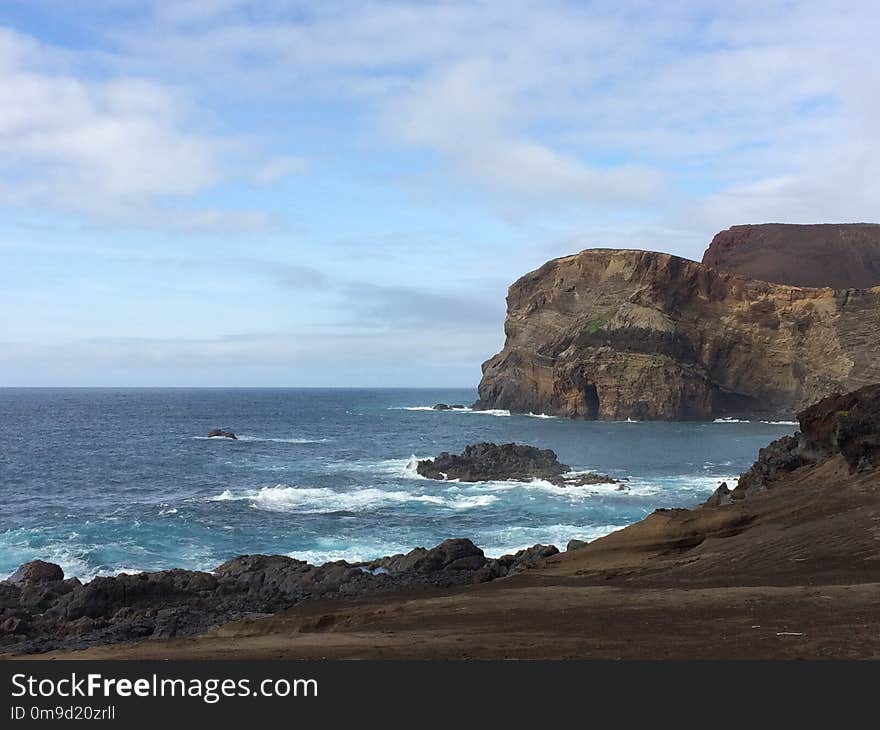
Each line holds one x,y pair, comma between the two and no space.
110,480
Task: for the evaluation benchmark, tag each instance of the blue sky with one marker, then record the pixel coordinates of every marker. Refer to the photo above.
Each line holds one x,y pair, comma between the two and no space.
221,192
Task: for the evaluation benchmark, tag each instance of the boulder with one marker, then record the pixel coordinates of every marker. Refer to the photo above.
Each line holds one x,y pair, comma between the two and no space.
720,496
450,555
529,557
575,545
442,407
36,571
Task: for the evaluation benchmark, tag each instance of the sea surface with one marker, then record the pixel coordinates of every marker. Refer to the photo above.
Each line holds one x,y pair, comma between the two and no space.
103,481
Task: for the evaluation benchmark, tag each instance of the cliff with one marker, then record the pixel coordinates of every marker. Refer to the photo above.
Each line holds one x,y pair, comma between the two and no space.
839,255
617,334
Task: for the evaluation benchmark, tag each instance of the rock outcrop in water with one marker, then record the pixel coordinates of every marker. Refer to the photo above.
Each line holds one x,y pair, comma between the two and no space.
486,462
837,255
622,334
217,433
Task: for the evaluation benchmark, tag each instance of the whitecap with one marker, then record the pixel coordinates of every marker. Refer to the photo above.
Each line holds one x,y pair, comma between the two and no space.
538,415
317,500
264,439
730,420
782,423
509,540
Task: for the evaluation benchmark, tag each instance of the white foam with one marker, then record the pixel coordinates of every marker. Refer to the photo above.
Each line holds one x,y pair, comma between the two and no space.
261,439
730,420
466,409
410,469
538,415
282,498
782,423
509,540
401,468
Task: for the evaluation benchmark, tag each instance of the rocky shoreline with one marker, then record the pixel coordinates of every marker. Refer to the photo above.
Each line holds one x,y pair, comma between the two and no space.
806,511
41,610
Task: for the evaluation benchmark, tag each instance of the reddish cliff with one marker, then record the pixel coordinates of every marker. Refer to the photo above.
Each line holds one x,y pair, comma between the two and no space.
838,255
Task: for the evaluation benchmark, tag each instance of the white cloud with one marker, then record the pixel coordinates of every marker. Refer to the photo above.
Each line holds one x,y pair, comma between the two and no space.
605,104
93,146
278,168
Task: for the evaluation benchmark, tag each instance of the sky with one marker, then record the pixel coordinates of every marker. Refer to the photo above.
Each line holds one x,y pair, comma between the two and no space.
339,193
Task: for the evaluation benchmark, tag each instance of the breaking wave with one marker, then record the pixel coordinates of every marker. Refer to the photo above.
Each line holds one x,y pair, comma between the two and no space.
281,498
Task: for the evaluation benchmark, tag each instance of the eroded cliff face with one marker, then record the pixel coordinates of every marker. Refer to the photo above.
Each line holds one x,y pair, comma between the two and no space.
617,334
839,255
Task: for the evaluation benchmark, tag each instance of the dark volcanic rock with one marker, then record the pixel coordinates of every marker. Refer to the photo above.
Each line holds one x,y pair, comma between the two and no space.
589,479
218,433
455,554
848,425
720,496
575,545
839,255
520,561
529,557
41,613
782,456
36,571
487,462
442,407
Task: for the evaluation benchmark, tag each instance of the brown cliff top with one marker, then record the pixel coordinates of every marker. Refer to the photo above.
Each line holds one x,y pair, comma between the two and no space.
836,255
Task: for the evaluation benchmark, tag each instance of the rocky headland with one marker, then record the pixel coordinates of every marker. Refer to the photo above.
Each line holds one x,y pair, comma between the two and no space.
625,334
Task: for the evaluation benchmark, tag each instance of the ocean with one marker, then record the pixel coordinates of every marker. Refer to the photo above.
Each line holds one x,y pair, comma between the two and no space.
104,481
